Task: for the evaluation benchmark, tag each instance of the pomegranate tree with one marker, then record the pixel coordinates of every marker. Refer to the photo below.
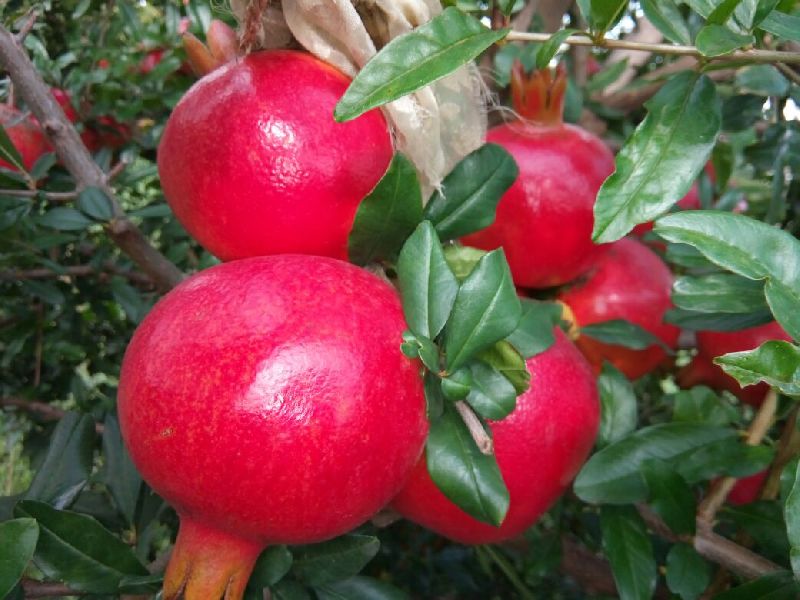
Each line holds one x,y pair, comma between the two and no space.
268,401
252,162
544,221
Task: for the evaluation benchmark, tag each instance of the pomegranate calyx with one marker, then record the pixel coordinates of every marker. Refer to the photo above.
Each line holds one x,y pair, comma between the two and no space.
199,56
209,564
538,97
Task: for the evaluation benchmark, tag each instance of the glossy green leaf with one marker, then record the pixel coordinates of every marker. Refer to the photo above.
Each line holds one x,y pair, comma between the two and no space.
602,14
334,560
458,384
722,11
741,111
42,166
121,477
427,285
762,520
669,496
421,347
687,256
549,48
783,25
629,550
699,321
667,18
618,412
662,158
716,40
620,332
718,293
65,218
95,204
763,80
792,515
612,475
288,589
485,311
462,259
505,359
434,397
470,479
763,9
414,60
688,574
271,566
360,588
18,538
729,457
68,463
776,362
534,332
387,216
702,405
748,248
775,586
77,550
491,394
9,152
468,197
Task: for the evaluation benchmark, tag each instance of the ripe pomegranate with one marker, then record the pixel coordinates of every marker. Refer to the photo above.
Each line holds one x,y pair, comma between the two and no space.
268,401
702,371
747,489
630,282
539,447
25,134
544,221
252,162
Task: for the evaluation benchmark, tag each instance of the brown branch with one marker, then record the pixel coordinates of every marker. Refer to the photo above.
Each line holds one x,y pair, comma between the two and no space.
793,75
27,26
43,589
50,196
46,412
788,448
108,268
79,163
476,430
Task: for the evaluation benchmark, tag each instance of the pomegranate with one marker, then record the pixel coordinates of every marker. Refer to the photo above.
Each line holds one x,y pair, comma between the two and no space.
630,282
25,134
539,447
544,221
268,401
252,162
747,489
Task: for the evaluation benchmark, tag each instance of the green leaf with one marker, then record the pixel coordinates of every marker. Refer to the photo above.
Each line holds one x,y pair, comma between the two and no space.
783,25
421,347
620,332
763,9
94,203
667,18
387,216
716,40
763,80
457,385
121,477
602,14
19,541
414,60
534,332
340,558
65,218
505,359
775,586
42,166
130,299
470,479
662,158
741,111
702,405
627,546
699,321
792,514
549,48
9,152
360,588
427,285
722,12
491,394
748,248
688,574
607,76
617,406
485,311
468,198
288,589
612,475
776,362
68,463
669,496
462,259
725,457
271,566
77,550
719,293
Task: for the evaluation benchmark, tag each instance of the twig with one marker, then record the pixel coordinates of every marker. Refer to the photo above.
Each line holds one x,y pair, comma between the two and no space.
50,196
509,571
76,271
79,163
476,430
788,448
720,489
789,72
754,55
46,412
43,589
27,26
37,361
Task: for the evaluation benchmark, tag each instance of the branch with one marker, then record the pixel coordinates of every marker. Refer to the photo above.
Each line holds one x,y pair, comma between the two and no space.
755,55
476,430
79,163
788,448
46,412
76,271
43,589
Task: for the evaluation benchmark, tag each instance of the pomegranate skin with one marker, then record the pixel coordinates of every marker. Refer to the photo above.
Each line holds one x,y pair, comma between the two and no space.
747,489
252,162
259,395
630,282
544,221
25,134
539,447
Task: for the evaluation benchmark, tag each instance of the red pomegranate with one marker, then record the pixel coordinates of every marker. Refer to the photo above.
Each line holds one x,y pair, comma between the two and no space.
544,221
25,134
702,371
268,401
540,447
747,489
630,282
253,163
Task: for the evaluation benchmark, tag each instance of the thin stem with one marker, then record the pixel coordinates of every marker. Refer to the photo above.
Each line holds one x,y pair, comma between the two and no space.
789,72
476,430
788,447
509,572
753,56
51,196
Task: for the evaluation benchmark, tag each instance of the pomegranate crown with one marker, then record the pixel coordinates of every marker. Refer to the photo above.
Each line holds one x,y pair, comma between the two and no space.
538,97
